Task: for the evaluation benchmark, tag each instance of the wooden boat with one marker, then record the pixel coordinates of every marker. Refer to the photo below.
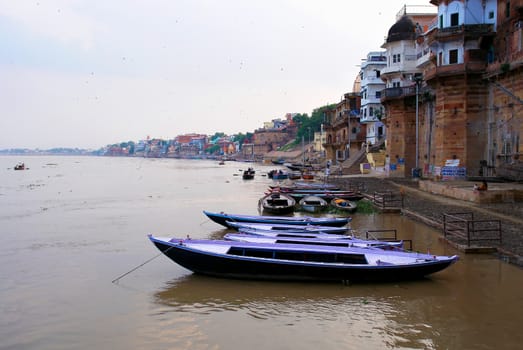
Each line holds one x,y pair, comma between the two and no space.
222,219
346,241
278,174
307,175
294,175
267,261
344,204
293,233
300,185
248,174
277,203
313,204
282,227
325,194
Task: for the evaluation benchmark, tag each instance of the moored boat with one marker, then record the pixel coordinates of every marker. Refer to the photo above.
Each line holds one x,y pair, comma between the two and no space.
284,227
327,195
278,174
293,233
344,204
277,203
222,219
247,260
346,241
313,204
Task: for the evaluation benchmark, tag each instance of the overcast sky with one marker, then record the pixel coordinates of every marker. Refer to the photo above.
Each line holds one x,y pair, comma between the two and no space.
87,73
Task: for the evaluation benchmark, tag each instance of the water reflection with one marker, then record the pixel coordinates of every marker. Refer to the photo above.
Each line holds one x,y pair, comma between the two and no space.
396,311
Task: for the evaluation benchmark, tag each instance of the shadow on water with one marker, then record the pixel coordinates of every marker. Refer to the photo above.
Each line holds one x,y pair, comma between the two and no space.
398,311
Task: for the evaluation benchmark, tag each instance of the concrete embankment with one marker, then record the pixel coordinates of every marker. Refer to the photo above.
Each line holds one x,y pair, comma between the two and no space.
429,208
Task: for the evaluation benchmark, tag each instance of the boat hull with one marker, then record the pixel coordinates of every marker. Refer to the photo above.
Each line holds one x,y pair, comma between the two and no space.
242,267
222,218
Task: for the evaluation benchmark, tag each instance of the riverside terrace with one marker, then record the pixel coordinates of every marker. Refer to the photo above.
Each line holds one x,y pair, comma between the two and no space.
427,201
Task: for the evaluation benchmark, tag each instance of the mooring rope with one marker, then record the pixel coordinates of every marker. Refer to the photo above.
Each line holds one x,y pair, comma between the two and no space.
142,264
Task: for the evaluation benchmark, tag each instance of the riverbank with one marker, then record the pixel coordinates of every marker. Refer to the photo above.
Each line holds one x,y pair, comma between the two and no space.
429,208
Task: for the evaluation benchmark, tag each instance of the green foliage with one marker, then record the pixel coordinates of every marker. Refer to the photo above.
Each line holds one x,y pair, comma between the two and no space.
241,138
217,135
309,125
213,149
365,207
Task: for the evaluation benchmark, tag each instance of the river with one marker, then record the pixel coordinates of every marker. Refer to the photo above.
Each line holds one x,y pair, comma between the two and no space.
71,225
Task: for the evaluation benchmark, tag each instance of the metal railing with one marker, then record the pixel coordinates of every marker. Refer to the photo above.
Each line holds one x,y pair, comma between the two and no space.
464,226
387,200
389,235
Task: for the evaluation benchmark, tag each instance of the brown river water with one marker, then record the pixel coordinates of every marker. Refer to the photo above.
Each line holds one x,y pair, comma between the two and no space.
69,226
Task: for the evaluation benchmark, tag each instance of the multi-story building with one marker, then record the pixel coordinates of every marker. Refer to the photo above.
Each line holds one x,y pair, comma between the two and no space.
372,110
504,81
273,135
462,103
454,106
343,131
400,97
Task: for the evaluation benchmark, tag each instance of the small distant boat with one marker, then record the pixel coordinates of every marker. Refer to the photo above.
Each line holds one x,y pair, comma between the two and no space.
278,174
302,262
248,174
283,227
294,175
19,166
344,204
277,203
223,218
222,162
313,204
307,175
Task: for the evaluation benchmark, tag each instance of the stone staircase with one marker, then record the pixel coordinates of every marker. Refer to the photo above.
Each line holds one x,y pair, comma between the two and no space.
376,157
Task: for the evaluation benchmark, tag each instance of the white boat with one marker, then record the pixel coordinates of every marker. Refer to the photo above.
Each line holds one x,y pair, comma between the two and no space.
346,241
286,227
268,261
313,204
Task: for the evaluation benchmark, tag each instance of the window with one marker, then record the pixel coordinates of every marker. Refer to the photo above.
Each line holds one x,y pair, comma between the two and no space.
371,111
454,19
491,15
378,74
507,9
378,94
441,21
453,56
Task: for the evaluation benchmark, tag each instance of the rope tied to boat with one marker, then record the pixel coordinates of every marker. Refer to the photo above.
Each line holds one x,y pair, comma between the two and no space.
142,264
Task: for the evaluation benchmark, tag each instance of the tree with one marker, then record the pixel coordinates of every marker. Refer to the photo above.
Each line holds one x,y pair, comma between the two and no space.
310,125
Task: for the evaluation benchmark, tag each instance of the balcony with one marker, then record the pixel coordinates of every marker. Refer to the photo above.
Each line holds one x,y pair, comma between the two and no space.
369,119
467,31
397,93
475,63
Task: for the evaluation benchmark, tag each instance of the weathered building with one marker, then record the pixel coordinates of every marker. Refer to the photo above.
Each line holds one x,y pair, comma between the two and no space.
343,130
400,99
504,81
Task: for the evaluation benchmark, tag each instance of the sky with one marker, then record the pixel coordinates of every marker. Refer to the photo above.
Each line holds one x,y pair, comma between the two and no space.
88,73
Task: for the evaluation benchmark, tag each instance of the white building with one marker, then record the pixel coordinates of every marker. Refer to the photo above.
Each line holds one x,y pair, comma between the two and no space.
371,109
